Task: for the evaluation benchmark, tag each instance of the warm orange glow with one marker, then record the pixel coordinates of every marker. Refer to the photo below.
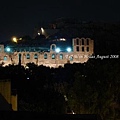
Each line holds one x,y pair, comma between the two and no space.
14,39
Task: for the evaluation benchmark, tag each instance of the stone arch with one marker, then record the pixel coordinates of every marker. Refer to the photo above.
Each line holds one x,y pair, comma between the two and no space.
45,55
27,55
71,57
61,56
5,58
82,41
53,47
35,56
87,41
76,41
53,56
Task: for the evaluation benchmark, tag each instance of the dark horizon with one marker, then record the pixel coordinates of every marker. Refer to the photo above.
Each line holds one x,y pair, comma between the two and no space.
20,18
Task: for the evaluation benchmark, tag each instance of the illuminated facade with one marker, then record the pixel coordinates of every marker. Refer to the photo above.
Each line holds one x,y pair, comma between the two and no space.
81,49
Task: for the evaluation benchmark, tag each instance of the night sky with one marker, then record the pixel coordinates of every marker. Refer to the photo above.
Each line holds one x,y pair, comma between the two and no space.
19,18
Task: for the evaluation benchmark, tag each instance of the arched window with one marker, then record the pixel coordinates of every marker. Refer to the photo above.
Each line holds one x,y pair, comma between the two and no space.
87,42
61,56
53,56
35,56
71,58
77,49
82,41
45,56
52,47
5,58
28,56
87,49
82,49
77,41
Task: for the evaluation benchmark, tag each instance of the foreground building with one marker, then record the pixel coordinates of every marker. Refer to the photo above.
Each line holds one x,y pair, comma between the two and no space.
8,96
81,49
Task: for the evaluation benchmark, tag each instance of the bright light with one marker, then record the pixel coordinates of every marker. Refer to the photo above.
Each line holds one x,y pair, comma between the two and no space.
14,39
8,49
68,49
62,39
65,98
57,50
42,30
38,33
26,67
20,38
73,112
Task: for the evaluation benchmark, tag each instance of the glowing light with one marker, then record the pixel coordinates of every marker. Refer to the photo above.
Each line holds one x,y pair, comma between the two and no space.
20,38
42,30
68,49
8,49
73,112
62,39
14,39
38,33
65,98
57,50
26,67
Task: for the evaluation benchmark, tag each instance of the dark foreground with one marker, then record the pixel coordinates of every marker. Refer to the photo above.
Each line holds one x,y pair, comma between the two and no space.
12,115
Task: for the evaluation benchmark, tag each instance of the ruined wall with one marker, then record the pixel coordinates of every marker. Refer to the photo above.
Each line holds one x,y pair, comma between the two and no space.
82,48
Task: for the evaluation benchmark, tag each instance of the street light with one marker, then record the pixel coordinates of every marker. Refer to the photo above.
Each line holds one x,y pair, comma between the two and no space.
68,49
57,50
14,39
42,30
8,49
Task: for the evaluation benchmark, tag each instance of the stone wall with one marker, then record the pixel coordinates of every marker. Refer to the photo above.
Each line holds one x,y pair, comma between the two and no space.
82,48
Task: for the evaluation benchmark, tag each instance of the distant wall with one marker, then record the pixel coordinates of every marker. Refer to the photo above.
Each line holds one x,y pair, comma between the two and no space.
82,48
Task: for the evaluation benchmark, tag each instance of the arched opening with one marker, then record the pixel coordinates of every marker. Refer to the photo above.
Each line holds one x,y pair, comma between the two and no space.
53,47
87,41
45,56
35,56
28,56
5,58
53,56
61,56
82,41
77,41
71,58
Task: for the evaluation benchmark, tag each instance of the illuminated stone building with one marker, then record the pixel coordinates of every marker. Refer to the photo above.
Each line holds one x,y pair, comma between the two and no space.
80,51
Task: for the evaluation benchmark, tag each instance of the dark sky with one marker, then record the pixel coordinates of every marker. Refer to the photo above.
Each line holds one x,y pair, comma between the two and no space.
19,18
